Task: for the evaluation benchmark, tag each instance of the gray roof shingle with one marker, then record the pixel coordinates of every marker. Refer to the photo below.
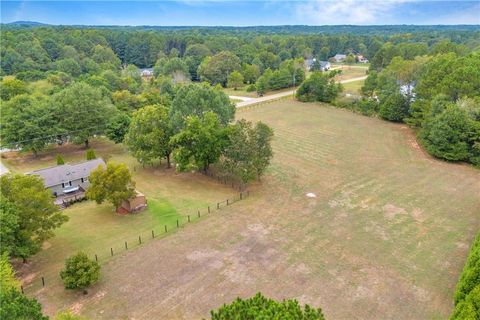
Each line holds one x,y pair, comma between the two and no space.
67,172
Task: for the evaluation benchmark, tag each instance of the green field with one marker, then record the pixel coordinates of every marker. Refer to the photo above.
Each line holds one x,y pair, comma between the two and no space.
385,237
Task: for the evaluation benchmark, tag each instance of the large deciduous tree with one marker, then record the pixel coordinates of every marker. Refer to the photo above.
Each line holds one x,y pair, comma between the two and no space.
248,150
198,99
28,122
82,112
113,183
217,68
30,212
200,143
148,137
319,87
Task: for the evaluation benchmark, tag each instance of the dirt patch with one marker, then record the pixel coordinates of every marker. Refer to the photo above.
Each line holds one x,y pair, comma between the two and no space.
390,211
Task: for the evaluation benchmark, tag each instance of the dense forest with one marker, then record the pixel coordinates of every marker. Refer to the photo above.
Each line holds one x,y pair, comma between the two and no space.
426,76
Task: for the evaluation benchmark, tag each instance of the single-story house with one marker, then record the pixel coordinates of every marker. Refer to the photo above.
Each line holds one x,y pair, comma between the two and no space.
325,65
146,73
339,57
309,63
68,179
362,59
137,203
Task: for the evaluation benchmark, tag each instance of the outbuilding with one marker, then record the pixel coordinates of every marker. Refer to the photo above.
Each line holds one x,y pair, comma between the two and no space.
137,203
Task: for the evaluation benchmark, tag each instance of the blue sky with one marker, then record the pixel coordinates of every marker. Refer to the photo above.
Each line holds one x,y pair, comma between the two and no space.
242,13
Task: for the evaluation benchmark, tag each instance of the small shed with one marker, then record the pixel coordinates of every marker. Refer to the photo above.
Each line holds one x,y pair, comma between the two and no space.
134,204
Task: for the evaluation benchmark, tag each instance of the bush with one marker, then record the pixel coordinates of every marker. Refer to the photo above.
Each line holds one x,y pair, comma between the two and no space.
91,154
251,88
15,305
469,308
80,272
60,160
319,87
470,277
260,307
394,108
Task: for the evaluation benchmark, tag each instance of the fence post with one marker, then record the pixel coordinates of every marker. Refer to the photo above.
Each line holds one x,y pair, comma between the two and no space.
21,288
198,213
153,235
166,228
177,223
240,196
208,209
139,240
111,251
96,258
126,246
218,205
227,202
188,218
43,282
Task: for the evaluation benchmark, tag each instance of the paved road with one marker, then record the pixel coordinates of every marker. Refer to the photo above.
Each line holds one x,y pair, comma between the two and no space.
3,169
249,101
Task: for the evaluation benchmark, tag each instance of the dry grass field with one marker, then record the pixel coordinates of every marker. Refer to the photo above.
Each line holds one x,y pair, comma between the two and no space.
385,237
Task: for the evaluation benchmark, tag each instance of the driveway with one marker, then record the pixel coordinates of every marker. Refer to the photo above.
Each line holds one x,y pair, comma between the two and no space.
3,169
247,101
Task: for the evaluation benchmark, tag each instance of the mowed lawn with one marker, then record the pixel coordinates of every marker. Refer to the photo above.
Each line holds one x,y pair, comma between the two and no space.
385,236
350,72
353,87
96,229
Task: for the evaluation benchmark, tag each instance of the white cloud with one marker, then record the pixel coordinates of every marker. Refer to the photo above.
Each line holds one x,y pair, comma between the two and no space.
346,11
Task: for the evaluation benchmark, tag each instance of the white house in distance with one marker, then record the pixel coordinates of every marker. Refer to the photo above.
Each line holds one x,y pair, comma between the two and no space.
339,57
146,73
68,180
361,59
324,65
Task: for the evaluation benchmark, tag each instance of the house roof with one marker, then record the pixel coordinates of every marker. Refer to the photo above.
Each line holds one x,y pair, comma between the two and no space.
323,64
340,56
67,172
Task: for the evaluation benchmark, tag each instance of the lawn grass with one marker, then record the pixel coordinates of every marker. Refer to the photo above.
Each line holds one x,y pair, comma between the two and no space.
350,72
353,87
385,237
95,229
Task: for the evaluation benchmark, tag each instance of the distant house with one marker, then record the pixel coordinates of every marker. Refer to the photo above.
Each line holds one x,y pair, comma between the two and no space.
68,180
339,57
325,65
309,63
146,73
137,203
361,59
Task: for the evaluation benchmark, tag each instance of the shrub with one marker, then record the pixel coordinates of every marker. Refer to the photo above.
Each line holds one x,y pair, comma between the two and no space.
470,277
60,160
17,306
80,272
251,88
394,108
260,307
91,154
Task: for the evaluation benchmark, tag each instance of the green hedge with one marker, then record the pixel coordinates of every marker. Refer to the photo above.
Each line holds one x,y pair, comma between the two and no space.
467,293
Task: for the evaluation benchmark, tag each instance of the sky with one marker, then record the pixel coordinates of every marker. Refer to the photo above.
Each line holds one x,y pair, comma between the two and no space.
242,13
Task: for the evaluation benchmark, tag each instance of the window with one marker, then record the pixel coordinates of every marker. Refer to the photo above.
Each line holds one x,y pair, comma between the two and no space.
82,180
63,185
70,183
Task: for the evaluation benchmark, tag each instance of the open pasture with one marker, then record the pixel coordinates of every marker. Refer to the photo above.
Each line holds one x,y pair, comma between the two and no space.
385,236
